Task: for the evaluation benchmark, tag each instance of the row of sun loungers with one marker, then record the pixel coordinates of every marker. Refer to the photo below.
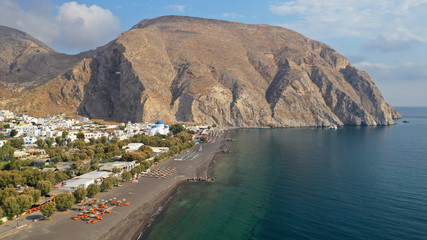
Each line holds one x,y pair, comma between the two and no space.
161,172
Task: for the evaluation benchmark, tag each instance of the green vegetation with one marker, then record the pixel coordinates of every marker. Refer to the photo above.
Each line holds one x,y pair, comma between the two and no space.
80,194
6,152
80,135
176,128
93,189
65,201
25,202
48,209
126,175
6,193
107,184
13,133
203,139
45,187
15,172
34,193
11,207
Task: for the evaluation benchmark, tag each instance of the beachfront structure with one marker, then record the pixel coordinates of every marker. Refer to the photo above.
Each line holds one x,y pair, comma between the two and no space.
159,128
159,150
122,166
132,147
85,180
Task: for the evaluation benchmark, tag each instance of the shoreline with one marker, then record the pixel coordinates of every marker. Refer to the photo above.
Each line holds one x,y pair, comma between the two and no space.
165,205
147,218
147,197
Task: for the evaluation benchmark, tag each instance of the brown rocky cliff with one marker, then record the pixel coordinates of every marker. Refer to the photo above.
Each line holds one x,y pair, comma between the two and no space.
184,69
208,71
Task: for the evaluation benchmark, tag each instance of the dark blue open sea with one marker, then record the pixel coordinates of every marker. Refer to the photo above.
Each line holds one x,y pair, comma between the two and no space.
350,183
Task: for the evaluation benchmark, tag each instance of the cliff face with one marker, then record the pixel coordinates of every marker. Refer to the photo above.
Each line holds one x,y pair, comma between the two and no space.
182,69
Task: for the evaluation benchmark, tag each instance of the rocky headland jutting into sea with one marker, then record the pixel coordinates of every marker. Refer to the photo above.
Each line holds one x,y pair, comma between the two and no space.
185,69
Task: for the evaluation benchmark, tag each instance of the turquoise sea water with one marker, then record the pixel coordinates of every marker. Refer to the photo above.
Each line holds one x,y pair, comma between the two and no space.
350,183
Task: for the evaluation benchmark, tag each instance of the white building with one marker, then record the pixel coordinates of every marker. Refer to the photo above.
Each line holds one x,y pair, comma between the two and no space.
132,147
86,179
30,141
6,114
122,166
159,128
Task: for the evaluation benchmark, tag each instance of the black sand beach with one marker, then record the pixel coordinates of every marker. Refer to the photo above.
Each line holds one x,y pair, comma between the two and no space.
127,222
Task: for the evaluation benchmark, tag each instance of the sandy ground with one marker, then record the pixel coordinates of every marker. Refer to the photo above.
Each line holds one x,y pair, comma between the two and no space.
127,222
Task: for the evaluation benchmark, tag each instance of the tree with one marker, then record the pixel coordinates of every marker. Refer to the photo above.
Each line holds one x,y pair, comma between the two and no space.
48,209
17,143
61,176
6,193
107,184
6,152
64,201
40,143
44,187
176,128
13,133
80,135
93,189
80,194
6,126
145,148
34,193
184,136
59,141
126,175
65,134
116,170
135,156
135,170
49,142
203,139
94,166
11,207
25,201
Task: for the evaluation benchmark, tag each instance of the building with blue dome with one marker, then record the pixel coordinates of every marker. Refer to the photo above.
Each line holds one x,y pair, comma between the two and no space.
159,128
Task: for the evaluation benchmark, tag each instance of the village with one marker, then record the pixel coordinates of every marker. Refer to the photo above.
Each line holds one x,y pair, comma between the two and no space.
52,163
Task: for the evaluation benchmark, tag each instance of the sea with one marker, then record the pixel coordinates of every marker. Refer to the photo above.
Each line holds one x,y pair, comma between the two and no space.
309,183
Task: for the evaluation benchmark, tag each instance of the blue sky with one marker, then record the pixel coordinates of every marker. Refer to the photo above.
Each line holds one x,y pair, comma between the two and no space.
386,38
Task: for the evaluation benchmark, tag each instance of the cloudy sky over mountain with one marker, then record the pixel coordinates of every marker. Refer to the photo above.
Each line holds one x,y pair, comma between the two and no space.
386,38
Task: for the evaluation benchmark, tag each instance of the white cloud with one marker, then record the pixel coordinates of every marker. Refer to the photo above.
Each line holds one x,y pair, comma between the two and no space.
73,28
232,15
396,19
177,7
369,65
86,26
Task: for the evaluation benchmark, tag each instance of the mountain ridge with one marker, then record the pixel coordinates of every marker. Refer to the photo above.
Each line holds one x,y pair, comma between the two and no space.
186,69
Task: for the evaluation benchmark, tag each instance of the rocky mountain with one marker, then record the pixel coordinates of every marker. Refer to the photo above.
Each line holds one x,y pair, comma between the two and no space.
185,69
